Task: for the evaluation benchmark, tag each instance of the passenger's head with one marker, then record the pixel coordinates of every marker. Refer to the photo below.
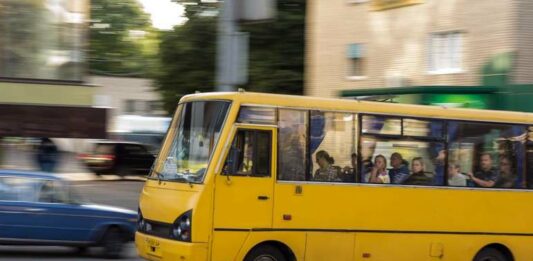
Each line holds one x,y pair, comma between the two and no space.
417,165
453,169
506,165
396,160
380,162
485,161
323,159
354,160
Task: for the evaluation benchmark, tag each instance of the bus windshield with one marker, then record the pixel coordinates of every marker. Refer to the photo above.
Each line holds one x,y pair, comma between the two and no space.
191,140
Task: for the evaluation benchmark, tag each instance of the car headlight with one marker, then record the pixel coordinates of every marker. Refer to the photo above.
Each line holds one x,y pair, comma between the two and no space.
181,229
141,224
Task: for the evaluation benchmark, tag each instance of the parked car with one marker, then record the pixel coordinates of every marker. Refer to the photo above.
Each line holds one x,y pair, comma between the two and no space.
43,209
118,157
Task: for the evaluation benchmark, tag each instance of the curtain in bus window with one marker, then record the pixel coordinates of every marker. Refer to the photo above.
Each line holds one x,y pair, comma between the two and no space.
316,130
292,144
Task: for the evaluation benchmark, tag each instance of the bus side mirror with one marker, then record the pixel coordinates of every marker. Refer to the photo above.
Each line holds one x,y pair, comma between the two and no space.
232,162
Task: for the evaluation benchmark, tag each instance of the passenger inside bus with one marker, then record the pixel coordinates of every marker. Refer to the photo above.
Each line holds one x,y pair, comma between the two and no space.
326,172
487,175
418,175
507,177
455,177
378,174
399,171
348,173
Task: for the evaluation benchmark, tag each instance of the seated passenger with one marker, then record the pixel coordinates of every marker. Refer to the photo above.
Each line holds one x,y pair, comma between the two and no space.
326,172
418,177
348,173
487,175
399,172
507,177
455,177
378,174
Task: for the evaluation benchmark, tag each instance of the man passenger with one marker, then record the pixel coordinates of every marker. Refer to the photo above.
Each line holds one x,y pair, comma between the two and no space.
487,175
399,172
455,177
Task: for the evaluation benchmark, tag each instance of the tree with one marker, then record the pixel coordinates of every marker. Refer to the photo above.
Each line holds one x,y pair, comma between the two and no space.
188,53
119,33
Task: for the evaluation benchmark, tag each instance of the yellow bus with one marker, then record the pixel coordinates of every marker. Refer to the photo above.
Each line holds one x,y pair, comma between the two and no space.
251,176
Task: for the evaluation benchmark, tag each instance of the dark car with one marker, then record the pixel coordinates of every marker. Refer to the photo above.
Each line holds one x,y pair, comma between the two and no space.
42,209
121,158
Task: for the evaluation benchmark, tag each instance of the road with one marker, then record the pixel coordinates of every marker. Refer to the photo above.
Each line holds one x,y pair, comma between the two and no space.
120,193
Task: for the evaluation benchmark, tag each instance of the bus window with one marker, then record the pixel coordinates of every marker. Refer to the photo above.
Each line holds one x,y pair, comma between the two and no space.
257,115
381,125
491,155
251,153
422,128
399,161
292,144
332,146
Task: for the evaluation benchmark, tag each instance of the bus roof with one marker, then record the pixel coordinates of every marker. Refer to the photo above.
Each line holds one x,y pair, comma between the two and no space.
348,105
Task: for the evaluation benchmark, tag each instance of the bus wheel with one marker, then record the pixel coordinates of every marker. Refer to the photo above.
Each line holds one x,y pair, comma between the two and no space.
490,254
265,253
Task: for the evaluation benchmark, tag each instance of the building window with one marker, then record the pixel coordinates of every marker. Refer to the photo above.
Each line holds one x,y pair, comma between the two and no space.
355,60
445,52
43,39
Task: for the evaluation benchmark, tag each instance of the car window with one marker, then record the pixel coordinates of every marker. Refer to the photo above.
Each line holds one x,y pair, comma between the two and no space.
132,149
53,191
104,149
18,189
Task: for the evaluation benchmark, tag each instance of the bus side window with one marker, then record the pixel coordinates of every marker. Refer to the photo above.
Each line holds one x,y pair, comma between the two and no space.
250,154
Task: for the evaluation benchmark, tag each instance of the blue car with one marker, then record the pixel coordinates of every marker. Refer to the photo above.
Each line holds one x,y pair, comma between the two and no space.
42,209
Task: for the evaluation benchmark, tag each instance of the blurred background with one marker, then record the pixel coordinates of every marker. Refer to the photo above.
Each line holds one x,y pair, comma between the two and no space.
93,84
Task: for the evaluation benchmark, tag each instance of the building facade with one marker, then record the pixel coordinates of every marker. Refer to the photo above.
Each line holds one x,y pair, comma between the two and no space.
421,48
43,90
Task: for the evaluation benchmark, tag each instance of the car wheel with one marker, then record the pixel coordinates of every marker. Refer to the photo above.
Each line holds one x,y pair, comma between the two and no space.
113,243
265,253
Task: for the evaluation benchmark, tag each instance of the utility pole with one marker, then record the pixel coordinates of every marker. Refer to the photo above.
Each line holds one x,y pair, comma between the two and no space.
232,45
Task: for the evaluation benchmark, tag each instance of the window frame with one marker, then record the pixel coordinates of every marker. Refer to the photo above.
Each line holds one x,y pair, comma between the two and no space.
255,131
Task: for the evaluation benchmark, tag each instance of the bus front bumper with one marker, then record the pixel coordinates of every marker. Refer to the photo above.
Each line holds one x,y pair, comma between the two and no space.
156,248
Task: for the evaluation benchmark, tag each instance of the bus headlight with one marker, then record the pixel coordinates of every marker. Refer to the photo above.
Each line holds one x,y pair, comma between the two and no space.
181,229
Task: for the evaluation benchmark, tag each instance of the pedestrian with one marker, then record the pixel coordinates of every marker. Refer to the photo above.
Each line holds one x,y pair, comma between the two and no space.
47,155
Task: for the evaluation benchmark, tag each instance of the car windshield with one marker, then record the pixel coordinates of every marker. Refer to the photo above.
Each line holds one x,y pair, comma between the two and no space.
190,141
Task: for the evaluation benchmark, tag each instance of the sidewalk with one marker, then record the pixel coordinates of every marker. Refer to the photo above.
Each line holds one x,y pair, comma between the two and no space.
21,157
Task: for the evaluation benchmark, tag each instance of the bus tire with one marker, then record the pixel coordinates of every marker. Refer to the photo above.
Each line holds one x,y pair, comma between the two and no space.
490,254
265,253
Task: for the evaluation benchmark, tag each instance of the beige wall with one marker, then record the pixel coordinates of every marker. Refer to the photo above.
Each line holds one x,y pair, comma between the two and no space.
396,41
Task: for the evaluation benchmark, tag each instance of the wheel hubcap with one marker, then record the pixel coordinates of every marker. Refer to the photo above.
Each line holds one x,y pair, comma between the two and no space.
265,258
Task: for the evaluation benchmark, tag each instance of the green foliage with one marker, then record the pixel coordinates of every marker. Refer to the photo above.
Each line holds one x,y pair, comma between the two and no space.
114,48
188,54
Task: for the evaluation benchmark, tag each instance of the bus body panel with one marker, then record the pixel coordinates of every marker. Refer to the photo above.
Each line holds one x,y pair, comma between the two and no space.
228,244
167,249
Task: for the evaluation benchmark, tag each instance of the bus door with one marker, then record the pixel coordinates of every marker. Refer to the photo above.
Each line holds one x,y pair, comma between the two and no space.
244,188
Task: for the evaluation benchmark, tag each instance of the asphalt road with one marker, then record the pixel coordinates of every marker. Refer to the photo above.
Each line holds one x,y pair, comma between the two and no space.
119,193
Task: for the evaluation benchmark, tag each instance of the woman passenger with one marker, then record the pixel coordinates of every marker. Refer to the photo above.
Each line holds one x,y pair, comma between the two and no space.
326,172
418,176
378,174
